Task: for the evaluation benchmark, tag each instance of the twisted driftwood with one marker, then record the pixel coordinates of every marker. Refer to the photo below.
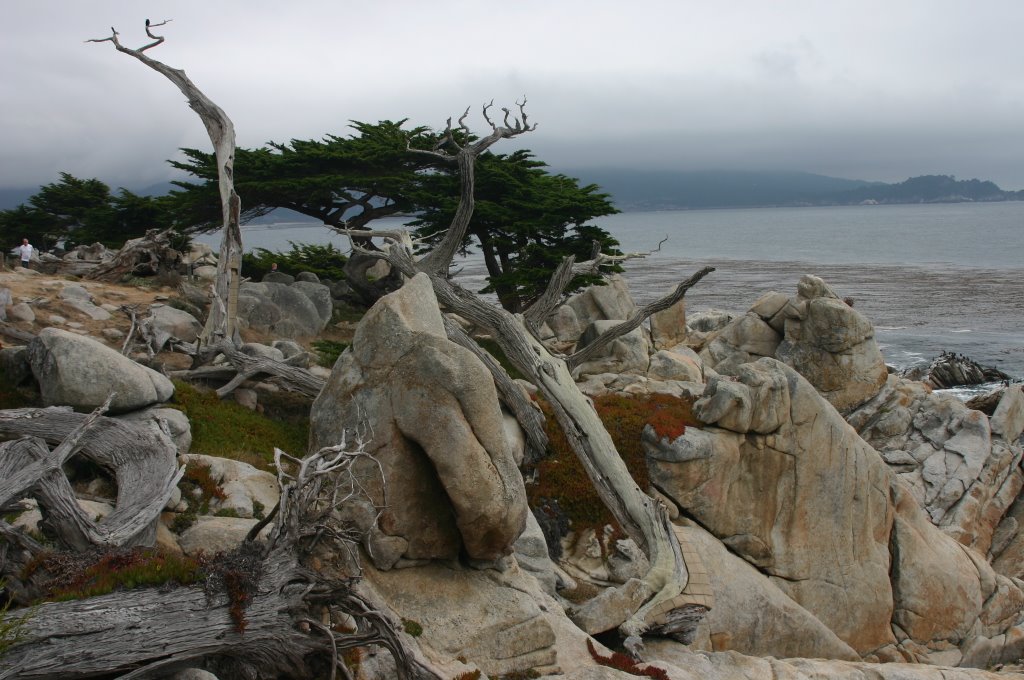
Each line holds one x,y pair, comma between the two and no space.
291,623
149,254
142,460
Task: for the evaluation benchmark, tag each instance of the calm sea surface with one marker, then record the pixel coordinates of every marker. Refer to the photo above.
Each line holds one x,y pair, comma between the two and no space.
930,277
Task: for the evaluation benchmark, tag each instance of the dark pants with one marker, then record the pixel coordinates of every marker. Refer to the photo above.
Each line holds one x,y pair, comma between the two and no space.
25,263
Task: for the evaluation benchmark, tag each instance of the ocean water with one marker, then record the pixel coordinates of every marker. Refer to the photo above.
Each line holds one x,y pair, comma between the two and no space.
929,277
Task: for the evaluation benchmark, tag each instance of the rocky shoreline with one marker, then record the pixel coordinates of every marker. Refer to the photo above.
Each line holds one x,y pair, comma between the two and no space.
848,520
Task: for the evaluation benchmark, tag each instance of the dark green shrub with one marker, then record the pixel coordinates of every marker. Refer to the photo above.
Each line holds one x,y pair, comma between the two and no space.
326,261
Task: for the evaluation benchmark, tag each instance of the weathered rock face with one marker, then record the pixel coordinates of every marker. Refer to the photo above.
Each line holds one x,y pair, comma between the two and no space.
596,303
752,615
432,415
823,338
81,372
626,354
745,338
668,327
807,503
787,485
289,311
832,345
961,467
496,620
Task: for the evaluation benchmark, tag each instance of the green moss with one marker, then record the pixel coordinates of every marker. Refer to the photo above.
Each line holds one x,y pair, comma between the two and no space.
412,627
183,521
229,430
562,477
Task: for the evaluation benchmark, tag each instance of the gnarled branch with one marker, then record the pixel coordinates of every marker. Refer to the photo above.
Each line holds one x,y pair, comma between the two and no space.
617,331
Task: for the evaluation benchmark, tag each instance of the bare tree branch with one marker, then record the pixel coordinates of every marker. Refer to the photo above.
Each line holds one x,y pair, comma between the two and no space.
617,331
538,312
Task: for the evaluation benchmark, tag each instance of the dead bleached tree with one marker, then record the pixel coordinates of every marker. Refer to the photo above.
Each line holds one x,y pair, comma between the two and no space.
296,620
220,324
643,518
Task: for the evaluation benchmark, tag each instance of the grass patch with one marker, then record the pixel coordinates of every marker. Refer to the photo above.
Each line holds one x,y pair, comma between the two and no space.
347,313
328,351
561,476
229,430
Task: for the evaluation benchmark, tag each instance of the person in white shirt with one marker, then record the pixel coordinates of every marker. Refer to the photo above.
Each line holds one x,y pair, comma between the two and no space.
25,251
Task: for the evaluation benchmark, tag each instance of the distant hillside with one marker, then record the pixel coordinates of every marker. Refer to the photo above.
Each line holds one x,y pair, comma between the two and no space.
928,189
673,190
676,190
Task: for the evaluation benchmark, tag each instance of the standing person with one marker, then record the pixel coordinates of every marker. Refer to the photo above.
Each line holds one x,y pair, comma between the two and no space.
25,251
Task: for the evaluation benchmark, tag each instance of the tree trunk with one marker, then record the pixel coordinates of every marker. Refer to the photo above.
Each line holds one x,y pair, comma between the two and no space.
220,324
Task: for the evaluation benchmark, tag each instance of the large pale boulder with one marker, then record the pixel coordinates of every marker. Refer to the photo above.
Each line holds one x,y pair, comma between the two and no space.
745,338
212,535
284,310
832,345
805,503
78,371
246,489
597,303
429,412
494,620
814,507
668,327
171,421
318,294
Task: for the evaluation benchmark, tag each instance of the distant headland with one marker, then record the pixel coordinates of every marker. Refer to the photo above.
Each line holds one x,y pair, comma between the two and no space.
681,190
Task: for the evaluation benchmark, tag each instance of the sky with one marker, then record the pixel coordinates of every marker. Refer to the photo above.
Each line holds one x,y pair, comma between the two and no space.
876,90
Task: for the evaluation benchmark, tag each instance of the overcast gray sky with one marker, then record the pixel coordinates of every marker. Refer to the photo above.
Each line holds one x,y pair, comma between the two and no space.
865,89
